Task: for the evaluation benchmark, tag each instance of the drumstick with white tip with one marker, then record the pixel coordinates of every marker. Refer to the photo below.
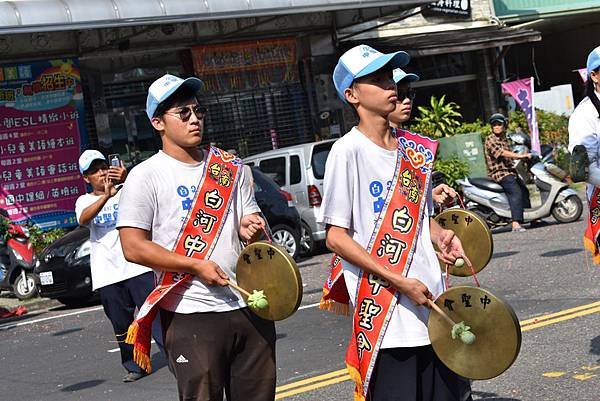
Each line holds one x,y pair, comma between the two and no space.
459,330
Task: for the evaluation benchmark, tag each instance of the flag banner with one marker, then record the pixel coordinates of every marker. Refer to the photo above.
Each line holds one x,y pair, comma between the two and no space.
583,74
522,92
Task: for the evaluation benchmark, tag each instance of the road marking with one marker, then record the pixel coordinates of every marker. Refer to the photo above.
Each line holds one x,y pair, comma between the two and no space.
7,326
577,375
541,318
299,383
553,374
548,322
339,376
308,306
584,376
312,387
79,312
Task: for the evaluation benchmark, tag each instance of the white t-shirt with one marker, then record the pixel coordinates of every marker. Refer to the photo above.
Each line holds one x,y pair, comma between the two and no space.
157,197
358,174
107,263
584,129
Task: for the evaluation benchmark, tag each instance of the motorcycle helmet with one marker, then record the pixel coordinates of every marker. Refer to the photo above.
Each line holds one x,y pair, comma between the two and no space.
498,117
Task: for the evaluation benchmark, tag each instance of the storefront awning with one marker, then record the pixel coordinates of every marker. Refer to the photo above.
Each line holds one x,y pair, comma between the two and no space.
19,16
459,41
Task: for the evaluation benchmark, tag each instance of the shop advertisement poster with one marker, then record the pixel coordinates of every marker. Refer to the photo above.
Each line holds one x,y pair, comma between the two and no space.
42,131
226,67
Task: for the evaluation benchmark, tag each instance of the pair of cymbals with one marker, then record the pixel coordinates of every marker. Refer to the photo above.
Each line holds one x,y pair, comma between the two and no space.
475,236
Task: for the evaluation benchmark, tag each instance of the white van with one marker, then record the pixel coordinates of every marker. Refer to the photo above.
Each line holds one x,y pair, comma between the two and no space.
299,170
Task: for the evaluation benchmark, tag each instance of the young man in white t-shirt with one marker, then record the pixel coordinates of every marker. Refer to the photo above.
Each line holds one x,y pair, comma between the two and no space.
213,342
359,170
123,286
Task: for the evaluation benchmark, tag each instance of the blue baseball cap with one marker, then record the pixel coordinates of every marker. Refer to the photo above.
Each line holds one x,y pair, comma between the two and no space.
399,74
593,61
165,86
87,158
363,60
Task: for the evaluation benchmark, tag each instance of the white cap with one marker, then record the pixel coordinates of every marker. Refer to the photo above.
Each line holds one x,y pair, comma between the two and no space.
363,60
399,74
87,157
164,87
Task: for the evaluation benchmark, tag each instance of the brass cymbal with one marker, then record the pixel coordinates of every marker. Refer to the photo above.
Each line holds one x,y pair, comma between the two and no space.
268,267
475,236
494,323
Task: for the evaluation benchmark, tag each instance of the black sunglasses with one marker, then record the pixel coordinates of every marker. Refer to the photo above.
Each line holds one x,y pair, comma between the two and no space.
408,93
185,113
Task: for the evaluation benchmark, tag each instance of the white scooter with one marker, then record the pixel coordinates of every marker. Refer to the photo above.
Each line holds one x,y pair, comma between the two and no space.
487,198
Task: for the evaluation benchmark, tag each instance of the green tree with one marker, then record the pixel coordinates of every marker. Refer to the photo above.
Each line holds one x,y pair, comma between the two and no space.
554,128
438,120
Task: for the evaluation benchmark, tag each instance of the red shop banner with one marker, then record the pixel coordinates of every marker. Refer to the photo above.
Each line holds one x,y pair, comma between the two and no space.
246,65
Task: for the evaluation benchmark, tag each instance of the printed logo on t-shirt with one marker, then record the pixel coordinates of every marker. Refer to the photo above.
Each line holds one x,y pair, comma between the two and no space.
181,359
107,216
376,189
188,196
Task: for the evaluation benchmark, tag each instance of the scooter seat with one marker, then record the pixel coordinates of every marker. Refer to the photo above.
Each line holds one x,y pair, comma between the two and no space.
487,184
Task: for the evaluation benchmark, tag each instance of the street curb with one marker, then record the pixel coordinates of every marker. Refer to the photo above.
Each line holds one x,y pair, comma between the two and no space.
31,305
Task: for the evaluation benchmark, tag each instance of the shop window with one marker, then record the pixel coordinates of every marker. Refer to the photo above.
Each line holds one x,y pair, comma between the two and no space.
274,168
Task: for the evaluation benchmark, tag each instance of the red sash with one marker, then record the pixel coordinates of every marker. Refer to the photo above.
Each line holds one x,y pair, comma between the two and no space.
590,238
392,244
197,239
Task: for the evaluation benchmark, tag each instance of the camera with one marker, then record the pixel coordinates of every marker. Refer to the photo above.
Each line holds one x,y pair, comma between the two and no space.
114,160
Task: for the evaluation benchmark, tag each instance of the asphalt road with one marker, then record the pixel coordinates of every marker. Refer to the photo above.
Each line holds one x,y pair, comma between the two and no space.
544,274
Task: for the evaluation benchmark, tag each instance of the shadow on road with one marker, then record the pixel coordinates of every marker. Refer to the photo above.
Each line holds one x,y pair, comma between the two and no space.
483,396
561,252
65,332
82,385
595,346
499,255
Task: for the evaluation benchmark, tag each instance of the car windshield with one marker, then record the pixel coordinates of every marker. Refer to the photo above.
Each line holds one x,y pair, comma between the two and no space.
320,153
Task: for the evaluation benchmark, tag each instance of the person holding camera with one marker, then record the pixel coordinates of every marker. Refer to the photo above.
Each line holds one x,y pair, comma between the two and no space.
123,286
499,159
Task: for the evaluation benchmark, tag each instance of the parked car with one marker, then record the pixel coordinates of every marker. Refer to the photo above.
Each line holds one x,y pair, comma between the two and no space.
299,170
64,268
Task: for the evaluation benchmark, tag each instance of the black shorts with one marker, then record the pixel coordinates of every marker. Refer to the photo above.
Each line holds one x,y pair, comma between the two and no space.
415,374
215,352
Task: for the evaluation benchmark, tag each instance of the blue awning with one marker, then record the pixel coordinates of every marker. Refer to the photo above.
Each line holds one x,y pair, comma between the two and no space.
52,15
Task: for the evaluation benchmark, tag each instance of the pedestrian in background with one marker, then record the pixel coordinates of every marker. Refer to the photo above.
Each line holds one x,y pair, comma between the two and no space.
123,286
499,159
584,130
